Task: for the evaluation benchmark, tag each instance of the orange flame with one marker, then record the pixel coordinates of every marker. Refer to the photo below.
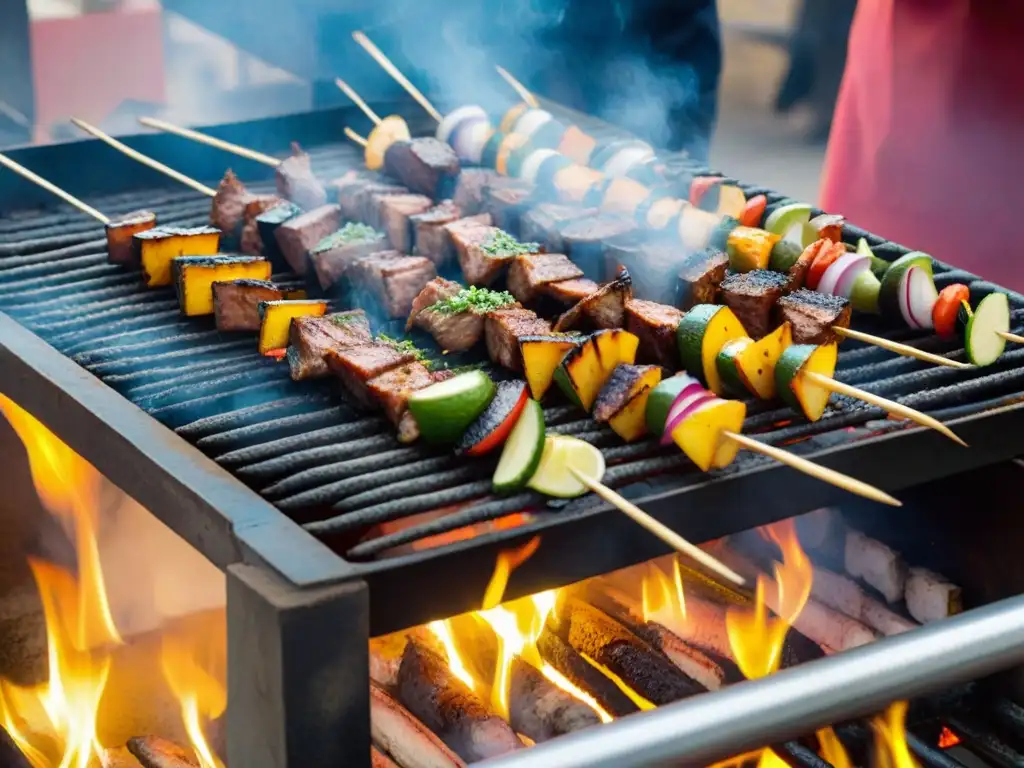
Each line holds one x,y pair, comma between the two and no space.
832,749
508,561
662,600
891,750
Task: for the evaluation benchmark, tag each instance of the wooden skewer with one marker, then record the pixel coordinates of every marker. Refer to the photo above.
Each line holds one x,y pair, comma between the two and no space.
901,349
392,70
357,100
202,138
147,161
885,404
355,137
824,474
1011,337
519,88
49,187
659,529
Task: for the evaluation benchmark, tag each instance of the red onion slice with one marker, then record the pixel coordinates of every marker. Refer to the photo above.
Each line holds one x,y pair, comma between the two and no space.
850,264
687,409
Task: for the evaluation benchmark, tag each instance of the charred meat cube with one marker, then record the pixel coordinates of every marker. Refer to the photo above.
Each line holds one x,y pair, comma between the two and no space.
236,303
506,200
530,271
752,296
194,277
655,325
654,267
251,241
484,252
333,255
436,290
584,241
472,224
368,199
502,329
429,237
427,166
119,236
543,223
228,206
392,390
310,337
154,249
356,366
348,190
267,224
701,275
393,279
457,321
395,213
813,315
469,189
296,182
296,237
605,308
570,292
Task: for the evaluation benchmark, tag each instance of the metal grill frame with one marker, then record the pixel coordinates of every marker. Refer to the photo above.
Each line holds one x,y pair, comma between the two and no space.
300,615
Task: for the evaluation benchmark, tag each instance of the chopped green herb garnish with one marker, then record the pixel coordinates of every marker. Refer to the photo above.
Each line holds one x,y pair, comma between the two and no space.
353,232
474,299
342,318
403,345
503,244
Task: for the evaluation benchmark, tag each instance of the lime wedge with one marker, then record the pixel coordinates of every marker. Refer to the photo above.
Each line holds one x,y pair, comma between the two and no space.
553,477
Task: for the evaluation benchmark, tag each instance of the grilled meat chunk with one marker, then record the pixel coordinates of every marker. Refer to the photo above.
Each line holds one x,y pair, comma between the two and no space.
296,182
458,229
469,189
429,237
393,388
333,255
655,325
584,241
436,290
355,366
752,296
296,237
347,191
502,329
368,199
427,166
236,303
119,236
393,279
309,338
457,321
395,214
605,308
529,271
569,292
485,252
228,206
701,275
543,223
251,241
267,224
813,315
506,200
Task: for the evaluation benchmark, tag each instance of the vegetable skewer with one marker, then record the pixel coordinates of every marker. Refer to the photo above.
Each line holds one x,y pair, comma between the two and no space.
202,138
392,70
519,88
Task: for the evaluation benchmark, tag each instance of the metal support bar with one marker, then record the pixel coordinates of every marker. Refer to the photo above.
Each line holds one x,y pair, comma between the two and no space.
797,701
298,673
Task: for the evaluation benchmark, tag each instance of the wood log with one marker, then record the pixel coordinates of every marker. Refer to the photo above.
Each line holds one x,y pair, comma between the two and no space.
394,730
10,755
541,710
559,654
379,760
154,752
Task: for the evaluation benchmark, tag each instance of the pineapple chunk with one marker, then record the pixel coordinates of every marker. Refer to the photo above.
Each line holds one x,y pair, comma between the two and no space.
541,356
194,277
701,435
629,423
615,347
276,320
156,248
756,363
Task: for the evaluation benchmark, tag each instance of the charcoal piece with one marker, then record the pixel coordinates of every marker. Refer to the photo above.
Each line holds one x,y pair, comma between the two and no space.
154,752
394,729
559,654
541,710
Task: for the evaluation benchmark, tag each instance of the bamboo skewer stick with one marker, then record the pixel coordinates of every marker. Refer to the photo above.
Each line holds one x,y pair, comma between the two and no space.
519,88
392,70
355,137
885,404
357,100
210,141
147,161
658,528
1011,337
808,467
67,197
901,349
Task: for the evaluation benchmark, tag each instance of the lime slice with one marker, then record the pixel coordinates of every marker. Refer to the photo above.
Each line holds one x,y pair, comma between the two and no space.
553,477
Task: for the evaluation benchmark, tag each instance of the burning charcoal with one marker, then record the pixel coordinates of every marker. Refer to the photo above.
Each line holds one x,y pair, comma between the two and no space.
543,223
296,182
119,236
380,760
559,654
813,315
155,249
931,597
236,303
333,255
529,271
700,276
297,236
752,296
655,325
654,267
368,199
228,206
541,710
395,214
310,338
605,308
394,730
355,366
570,292
118,757
392,390
470,187
427,166
877,616
838,592
597,636
584,241
876,564
194,277
267,224
252,240
154,752
449,708
506,200
393,279
502,330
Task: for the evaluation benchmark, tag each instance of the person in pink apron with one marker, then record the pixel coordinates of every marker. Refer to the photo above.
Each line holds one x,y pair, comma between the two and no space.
925,147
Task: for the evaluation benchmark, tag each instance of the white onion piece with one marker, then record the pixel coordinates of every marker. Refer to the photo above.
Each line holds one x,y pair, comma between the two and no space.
531,121
838,269
469,138
921,297
456,116
904,297
531,165
622,162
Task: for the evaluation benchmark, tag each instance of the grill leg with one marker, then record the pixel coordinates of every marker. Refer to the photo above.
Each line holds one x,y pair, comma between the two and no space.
298,672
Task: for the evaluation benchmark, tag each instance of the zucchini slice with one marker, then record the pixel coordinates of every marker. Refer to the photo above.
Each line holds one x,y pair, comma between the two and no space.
522,452
793,387
702,333
982,341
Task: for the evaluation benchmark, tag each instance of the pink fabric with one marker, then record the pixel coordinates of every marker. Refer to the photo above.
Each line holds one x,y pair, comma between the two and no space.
925,144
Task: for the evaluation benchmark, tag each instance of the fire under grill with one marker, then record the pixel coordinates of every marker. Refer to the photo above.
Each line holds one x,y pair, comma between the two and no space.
322,519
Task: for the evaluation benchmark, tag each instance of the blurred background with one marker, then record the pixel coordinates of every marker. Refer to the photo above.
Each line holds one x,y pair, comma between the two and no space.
108,61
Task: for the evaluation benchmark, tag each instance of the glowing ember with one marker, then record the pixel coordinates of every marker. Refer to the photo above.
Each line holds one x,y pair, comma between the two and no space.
832,749
891,750
947,738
